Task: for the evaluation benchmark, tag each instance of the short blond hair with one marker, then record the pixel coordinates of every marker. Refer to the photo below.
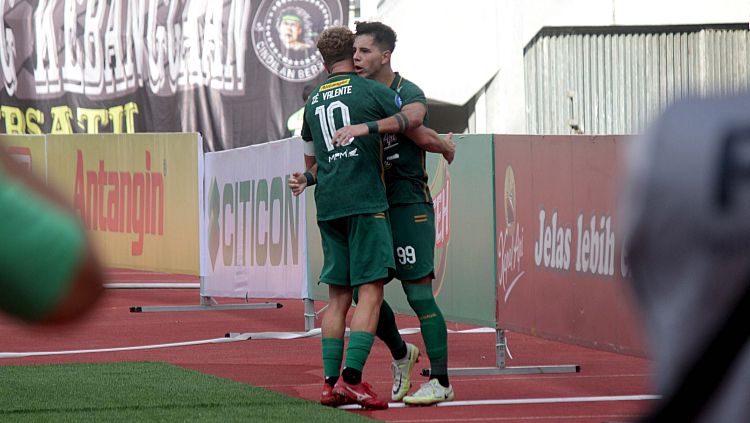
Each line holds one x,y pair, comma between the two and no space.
336,44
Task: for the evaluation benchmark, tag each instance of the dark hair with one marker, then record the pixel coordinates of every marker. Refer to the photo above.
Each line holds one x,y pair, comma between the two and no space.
383,35
336,44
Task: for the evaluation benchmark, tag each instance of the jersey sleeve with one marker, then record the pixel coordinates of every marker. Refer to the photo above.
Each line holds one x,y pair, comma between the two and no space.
410,93
388,100
306,133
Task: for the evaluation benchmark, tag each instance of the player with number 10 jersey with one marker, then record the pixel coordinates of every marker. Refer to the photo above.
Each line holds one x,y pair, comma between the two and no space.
350,177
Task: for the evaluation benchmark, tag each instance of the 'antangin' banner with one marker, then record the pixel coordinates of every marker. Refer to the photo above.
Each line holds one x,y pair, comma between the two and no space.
233,70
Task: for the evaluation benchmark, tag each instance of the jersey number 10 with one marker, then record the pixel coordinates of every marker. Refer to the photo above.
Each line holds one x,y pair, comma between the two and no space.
327,122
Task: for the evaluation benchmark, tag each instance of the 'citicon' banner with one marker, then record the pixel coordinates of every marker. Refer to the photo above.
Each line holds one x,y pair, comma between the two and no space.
256,228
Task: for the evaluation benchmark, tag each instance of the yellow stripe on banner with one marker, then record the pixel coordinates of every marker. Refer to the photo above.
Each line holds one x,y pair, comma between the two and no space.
332,85
420,220
420,216
379,217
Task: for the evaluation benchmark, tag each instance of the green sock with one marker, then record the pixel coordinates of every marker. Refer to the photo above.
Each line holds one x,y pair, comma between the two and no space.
432,323
387,330
360,344
333,354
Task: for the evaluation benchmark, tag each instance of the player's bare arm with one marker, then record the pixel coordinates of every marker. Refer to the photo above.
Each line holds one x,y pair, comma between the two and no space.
426,138
415,113
429,140
396,124
298,181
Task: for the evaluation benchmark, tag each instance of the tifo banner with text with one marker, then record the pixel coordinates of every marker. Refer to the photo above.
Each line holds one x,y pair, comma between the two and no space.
29,151
560,263
256,227
233,70
139,196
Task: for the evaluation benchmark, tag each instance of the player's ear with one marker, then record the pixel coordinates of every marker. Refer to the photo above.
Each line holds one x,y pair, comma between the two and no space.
386,57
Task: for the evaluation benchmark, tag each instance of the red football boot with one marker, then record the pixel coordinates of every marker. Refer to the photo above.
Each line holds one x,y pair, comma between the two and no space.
329,399
361,394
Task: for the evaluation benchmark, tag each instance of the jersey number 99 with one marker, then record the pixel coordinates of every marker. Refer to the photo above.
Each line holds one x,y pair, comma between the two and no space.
406,255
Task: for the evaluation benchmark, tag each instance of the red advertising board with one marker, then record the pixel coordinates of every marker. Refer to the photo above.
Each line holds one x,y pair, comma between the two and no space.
561,272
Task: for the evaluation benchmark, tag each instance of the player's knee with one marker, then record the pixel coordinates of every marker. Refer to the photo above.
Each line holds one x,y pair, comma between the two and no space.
416,292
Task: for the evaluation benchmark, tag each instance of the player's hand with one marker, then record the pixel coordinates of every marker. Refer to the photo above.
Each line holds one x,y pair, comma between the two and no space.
345,135
297,183
450,150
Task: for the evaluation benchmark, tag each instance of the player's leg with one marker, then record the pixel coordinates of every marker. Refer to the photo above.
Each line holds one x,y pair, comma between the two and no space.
332,340
363,325
387,330
414,243
335,273
371,264
435,336
405,355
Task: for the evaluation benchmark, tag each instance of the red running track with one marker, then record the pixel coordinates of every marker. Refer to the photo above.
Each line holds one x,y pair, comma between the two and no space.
294,367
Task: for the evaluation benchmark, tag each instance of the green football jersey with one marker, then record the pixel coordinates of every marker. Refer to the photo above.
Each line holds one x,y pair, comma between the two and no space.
405,171
350,178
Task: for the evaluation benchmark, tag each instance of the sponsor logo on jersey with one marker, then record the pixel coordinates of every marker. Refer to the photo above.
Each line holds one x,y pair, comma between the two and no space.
390,141
332,85
342,155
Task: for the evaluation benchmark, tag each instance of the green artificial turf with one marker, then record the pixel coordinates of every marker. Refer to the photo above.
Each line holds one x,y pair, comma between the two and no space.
145,392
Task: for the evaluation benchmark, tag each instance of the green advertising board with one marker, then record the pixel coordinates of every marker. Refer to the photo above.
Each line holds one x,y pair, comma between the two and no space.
465,262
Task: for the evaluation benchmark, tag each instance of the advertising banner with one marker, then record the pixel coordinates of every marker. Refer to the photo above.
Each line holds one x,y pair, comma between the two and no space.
139,196
233,70
256,227
464,284
560,263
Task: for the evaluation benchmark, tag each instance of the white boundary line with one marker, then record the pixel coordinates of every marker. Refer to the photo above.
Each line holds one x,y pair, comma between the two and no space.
523,401
141,347
233,337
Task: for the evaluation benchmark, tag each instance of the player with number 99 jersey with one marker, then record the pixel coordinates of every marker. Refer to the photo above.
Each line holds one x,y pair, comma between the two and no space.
350,177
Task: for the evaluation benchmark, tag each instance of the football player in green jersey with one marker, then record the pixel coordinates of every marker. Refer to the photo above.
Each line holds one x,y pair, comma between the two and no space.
351,212
412,221
50,274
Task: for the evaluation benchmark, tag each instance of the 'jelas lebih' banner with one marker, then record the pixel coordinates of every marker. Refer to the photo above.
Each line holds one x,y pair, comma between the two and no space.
233,70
